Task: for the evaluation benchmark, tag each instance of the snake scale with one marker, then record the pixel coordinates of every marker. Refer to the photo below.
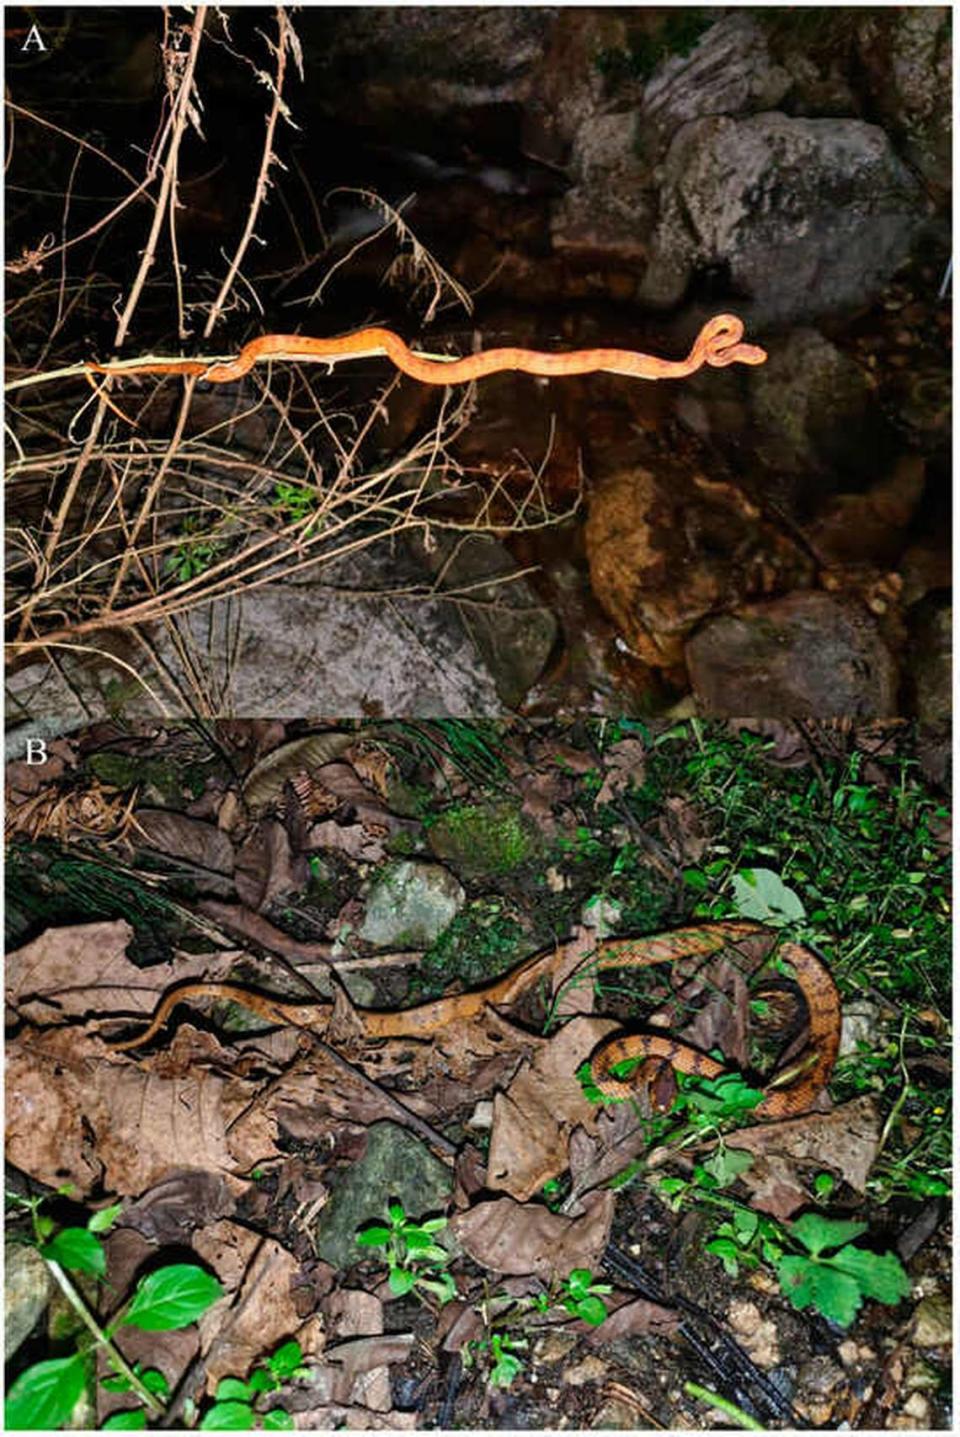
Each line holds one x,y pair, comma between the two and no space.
718,344
796,1096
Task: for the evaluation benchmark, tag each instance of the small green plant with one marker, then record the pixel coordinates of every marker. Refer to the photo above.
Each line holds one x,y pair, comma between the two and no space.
195,553
501,1348
295,502
414,1261
43,1396
836,1285
233,1409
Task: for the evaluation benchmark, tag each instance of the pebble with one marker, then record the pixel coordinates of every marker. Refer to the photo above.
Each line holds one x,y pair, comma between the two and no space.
932,1322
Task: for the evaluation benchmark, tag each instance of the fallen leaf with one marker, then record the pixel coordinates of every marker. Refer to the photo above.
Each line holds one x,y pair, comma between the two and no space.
505,1236
264,783
200,844
625,765
266,868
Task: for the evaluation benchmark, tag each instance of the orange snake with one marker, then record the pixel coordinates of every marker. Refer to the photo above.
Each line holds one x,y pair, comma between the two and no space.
796,1096
718,344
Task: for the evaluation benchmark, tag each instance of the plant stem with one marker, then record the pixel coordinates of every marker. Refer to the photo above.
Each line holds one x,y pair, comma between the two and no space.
729,1409
114,1357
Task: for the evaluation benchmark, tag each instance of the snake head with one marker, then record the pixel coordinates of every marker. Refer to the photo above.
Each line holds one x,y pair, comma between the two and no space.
720,339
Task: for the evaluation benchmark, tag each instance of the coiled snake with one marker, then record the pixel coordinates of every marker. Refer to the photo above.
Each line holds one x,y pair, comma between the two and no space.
718,344
794,1097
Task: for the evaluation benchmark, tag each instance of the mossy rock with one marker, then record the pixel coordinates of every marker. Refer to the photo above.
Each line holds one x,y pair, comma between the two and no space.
479,839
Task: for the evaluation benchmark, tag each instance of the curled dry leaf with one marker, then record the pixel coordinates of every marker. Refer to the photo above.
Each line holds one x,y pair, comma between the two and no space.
636,1318
193,841
626,766
68,972
267,868
504,1236
533,1119
264,783
844,1141
258,1274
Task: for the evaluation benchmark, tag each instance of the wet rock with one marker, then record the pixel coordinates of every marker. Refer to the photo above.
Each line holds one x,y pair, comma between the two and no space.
930,658
906,57
933,1321
395,1165
729,71
668,548
512,630
814,410
478,839
27,1286
410,904
807,216
808,655
869,526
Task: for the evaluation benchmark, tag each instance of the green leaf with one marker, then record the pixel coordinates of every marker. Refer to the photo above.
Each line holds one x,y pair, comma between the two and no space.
77,1249
262,1380
832,1293
133,1421
116,1383
436,1224
761,894
104,1219
278,1421
592,1309
400,1281
726,1164
417,1241
373,1237
155,1382
286,1359
880,1275
172,1297
432,1253
45,1395
578,1282
395,1211
233,1389
228,1417
819,1233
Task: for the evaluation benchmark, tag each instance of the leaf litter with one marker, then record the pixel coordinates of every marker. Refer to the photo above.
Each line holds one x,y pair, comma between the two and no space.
208,1131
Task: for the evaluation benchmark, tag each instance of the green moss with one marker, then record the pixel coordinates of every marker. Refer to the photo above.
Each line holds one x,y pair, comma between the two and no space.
479,839
170,782
482,942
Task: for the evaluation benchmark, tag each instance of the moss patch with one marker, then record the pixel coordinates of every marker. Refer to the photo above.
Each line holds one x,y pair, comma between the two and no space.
480,839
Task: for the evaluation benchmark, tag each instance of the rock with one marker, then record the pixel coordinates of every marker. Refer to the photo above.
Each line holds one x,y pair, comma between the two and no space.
610,209
409,904
807,216
395,1165
869,526
808,655
821,1384
933,1322
512,630
27,1286
291,649
478,839
730,71
814,411
906,57
666,549
860,1024
929,659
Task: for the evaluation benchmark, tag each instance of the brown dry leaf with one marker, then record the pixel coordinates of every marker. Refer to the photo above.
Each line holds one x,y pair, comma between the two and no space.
504,1236
637,1318
550,752
182,1201
264,783
76,1112
266,867
352,839
626,765
533,1119
200,844
595,1158
67,972
374,766
258,1275
845,1140
247,924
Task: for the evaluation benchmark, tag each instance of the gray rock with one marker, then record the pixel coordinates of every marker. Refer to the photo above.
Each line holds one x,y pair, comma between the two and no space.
809,215
930,656
395,1165
27,1287
410,904
814,411
808,655
906,54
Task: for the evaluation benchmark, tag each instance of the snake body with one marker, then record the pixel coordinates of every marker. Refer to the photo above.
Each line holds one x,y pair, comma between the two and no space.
795,1097
718,344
